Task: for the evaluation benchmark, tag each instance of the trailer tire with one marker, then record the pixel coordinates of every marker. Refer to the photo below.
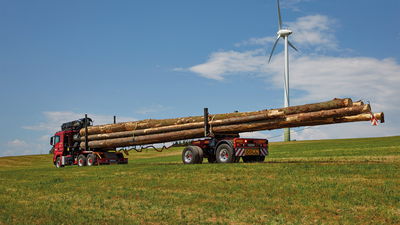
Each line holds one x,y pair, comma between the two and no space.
192,155
58,163
81,160
225,154
91,160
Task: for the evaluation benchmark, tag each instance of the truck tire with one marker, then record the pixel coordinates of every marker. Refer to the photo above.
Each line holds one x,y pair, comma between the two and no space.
91,160
192,155
81,160
58,163
225,154
261,158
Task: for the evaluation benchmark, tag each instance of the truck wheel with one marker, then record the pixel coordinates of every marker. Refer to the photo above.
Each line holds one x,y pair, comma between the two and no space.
58,163
81,160
192,155
91,160
225,154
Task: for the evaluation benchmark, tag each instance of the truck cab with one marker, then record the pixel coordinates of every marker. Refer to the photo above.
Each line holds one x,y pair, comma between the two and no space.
62,143
67,151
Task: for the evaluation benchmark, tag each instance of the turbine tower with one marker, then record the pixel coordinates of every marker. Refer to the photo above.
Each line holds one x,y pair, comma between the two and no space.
284,33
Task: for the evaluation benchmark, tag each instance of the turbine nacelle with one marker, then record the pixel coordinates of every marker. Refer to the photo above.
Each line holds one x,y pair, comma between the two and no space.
284,32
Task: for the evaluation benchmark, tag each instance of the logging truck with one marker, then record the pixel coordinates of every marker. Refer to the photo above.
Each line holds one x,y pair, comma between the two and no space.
216,136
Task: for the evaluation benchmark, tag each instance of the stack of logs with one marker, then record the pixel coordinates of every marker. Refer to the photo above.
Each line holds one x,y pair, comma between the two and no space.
153,131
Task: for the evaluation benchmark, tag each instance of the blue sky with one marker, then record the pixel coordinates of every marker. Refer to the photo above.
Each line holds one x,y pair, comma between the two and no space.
163,59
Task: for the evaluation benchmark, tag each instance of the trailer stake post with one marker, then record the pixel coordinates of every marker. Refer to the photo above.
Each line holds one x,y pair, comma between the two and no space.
86,133
206,124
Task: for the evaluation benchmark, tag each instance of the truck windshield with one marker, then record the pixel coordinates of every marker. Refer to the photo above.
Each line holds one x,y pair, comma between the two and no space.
56,139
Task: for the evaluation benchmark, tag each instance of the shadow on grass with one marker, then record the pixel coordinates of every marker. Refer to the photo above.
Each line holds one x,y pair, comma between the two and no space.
325,162
274,162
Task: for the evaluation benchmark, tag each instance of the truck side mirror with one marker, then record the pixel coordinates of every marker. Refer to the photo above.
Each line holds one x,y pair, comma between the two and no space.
52,141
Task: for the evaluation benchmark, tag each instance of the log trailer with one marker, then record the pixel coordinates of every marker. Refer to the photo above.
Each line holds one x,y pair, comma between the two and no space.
228,148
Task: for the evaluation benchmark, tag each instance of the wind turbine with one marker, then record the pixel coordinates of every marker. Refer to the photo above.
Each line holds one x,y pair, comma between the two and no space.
284,33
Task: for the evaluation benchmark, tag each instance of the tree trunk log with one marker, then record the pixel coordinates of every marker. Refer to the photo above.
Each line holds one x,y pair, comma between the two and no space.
350,114
273,113
264,116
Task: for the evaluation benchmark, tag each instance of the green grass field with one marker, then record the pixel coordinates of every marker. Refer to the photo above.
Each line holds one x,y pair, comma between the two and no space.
354,181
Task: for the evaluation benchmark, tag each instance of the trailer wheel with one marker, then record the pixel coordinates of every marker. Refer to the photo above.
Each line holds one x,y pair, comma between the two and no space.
224,154
91,160
81,160
58,163
192,155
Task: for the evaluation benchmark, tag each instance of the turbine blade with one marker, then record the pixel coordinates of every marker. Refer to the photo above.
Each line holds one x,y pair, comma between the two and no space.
273,49
279,15
291,45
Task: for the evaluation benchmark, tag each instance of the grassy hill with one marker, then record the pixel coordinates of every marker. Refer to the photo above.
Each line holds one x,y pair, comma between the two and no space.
304,182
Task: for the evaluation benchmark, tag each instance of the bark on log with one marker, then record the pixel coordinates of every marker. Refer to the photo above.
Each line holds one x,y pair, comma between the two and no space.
358,103
302,119
273,113
264,116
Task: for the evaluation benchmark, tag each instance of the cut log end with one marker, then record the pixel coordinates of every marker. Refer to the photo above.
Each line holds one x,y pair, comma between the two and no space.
380,116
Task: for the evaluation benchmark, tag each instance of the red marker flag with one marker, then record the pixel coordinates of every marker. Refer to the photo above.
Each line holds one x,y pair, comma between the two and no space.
374,121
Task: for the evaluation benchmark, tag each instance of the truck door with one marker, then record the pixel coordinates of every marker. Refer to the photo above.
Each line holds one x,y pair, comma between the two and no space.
58,144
